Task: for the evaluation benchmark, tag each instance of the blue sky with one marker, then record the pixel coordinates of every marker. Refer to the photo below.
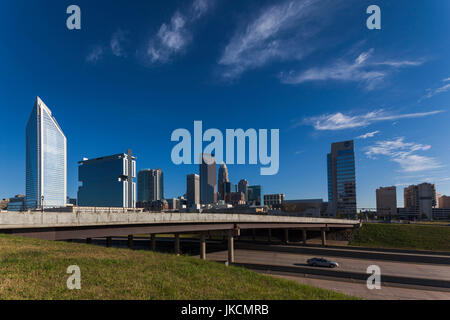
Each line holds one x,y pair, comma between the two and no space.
137,70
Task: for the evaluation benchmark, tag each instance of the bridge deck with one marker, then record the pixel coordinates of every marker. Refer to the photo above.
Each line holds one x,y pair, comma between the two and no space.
72,225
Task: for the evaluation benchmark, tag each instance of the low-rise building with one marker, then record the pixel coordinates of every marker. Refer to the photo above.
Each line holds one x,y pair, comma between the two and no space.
274,200
305,207
17,203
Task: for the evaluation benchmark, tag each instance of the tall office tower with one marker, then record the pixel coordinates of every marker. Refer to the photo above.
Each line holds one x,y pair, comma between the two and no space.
255,196
193,190
208,178
228,188
108,181
387,201
342,179
223,177
421,198
150,185
243,187
46,160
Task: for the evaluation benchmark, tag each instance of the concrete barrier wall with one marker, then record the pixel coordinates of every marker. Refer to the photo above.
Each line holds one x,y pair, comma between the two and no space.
102,218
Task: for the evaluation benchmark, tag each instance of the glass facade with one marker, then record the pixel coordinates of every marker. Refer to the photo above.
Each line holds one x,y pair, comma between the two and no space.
255,195
208,179
107,182
46,152
150,185
342,178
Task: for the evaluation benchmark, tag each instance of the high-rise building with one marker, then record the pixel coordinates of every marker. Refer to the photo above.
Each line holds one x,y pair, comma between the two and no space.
255,196
420,199
243,187
223,178
150,184
108,181
208,179
444,202
387,201
193,190
342,179
46,160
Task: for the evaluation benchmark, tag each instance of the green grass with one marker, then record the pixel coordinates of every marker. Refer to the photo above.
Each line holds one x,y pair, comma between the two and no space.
35,269
403,236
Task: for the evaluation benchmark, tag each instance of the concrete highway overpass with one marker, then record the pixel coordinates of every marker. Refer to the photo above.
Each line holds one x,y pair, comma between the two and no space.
106,224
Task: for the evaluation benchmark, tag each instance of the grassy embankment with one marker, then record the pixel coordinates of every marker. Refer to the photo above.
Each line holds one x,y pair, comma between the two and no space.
34,269
403,236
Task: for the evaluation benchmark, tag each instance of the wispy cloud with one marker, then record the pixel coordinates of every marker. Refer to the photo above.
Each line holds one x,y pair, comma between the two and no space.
174,36
368,135
279,32
117,43
95,54
433,92
364,69
405,154
339,121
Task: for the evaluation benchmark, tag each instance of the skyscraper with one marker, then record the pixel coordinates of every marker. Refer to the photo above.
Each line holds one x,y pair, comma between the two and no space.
243,187
342,178
193,190
46,160
108,181
208,179
387,201
255,196
223,177
150,185
420,199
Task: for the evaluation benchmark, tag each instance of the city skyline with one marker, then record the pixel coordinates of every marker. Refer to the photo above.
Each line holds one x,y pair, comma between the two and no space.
317,93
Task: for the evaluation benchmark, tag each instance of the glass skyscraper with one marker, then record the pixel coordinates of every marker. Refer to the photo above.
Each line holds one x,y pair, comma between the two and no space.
46,160
208,179
342,178
255,195
108,181
150,185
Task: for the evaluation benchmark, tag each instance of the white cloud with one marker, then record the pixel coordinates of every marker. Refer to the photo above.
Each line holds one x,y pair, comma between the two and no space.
364,69
279,32
116,44
339,121
95,54
433,92
368,135
174,36
405,154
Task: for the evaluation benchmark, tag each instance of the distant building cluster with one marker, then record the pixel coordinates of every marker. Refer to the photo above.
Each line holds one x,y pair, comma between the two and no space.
110,181
420,202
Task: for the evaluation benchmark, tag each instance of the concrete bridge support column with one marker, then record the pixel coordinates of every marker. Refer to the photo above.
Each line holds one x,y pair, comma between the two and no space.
230,246
286,236
304,236
269,237
108,242
130,241
202,246
177,244
153,242
88,240
324,237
